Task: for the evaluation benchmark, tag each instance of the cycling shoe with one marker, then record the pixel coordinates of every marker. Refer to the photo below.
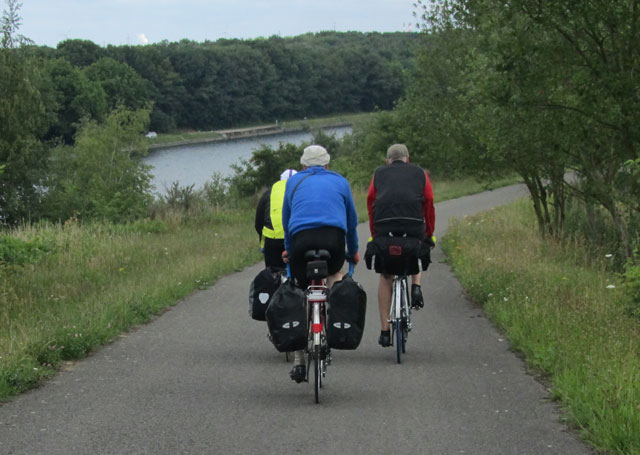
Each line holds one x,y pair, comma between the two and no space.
298,373
385,339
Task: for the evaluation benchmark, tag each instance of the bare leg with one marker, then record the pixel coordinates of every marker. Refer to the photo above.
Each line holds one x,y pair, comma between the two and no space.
331,279
384,300
415,279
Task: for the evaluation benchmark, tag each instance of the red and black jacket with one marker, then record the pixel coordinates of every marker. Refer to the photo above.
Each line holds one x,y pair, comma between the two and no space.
400,199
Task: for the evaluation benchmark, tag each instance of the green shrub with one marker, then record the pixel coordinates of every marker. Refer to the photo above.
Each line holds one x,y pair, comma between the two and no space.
180,197
19,252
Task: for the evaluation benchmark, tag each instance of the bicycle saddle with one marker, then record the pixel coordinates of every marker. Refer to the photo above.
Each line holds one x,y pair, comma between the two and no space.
317,255
317,267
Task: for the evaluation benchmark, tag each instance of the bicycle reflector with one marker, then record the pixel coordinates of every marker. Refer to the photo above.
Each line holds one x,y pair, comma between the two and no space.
395,250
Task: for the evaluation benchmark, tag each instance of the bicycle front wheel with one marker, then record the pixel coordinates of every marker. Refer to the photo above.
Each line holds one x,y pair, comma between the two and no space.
317,363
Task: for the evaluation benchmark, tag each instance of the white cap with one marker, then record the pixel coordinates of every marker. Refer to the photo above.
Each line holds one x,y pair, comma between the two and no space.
287,173
315,155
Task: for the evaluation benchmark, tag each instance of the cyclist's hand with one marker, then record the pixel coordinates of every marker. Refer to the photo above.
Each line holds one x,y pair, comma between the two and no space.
354,258
285,257
432,241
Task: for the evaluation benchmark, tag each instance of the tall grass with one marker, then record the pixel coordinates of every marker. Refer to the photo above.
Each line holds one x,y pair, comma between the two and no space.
561,306
100,280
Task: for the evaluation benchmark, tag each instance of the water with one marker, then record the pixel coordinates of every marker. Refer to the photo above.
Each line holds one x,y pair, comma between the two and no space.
195,164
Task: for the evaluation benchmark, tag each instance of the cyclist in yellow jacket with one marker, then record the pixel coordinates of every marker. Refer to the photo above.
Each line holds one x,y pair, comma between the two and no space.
268,222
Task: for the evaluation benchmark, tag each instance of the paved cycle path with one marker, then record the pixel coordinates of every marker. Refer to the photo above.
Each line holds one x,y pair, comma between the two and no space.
204,379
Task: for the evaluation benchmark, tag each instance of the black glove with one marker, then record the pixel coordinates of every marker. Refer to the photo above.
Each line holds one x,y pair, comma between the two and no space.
369,254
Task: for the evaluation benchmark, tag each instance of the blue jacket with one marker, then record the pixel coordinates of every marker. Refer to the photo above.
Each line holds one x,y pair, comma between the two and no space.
322,199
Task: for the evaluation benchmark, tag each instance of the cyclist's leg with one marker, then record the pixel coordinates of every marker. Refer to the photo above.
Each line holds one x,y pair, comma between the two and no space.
299,371
384,305
334,242
384,299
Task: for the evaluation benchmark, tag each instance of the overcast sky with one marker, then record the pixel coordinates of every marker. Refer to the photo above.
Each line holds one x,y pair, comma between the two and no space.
48,22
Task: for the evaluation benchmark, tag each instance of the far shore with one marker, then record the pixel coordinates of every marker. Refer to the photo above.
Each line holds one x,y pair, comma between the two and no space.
242,133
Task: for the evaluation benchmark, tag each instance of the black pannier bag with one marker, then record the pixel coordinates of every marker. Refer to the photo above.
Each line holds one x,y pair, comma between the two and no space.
345,314
287,318
263,286
397,255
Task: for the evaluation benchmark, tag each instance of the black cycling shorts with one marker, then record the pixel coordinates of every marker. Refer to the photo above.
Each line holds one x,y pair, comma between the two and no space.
325,238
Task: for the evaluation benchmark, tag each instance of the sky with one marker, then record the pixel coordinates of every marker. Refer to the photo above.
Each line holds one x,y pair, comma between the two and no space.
117,22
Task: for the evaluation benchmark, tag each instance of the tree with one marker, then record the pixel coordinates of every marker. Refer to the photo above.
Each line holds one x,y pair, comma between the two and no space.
73,97
121,83
102,176
551,86
23,121
80,53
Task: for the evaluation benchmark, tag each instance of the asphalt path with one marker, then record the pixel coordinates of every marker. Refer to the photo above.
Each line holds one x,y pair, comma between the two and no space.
204,379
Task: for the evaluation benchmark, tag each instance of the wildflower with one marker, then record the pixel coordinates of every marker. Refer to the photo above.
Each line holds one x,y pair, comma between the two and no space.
611,286
608,255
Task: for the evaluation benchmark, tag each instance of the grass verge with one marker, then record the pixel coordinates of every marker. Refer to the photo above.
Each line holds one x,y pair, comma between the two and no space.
98,281
561,306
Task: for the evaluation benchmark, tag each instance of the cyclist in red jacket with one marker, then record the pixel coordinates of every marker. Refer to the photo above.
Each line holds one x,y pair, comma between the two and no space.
400,203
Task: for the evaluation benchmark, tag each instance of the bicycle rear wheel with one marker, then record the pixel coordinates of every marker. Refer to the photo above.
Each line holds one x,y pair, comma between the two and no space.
317,363
405,331
405,334
399,340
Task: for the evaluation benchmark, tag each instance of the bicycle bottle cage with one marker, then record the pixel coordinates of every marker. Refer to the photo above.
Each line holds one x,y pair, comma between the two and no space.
317,266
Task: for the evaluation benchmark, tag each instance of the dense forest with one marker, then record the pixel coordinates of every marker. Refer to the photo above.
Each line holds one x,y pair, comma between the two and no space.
210,85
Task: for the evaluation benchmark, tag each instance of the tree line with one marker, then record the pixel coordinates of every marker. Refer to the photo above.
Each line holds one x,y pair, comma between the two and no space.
212,85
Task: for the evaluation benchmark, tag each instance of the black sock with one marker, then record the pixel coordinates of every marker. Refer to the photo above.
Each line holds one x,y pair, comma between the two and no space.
413,286
385,332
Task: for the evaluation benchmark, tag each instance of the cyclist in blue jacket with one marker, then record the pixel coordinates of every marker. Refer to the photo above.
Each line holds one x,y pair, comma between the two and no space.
318,213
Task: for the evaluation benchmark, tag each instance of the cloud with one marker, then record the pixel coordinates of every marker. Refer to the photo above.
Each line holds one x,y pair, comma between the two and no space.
142,39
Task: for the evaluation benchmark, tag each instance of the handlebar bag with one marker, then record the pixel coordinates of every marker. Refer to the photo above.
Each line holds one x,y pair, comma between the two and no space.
345,314
263,286
286,317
